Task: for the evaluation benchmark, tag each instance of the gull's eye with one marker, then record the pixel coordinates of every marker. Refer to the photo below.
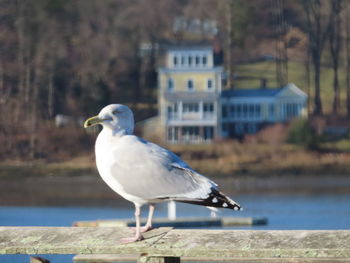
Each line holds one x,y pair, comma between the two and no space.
115,112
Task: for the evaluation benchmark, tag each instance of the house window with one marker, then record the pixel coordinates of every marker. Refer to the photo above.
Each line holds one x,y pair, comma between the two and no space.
197,60
257,110
170,133
190,61
208,110
295,110
173,134
176,133
210,85
251,110
175,61
239,128
239,111
233,111
291,110
245,110
208,107
190,107
170,85
204,60
224,111
190,85
170,112
190,133
208,133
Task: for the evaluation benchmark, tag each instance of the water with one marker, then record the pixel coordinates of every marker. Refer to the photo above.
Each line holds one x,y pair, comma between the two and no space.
285,212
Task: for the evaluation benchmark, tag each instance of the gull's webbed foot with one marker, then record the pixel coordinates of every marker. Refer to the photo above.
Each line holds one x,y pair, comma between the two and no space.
136,238
143,229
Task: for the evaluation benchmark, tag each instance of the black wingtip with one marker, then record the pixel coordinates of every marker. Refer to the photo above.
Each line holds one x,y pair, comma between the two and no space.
216,199
220,200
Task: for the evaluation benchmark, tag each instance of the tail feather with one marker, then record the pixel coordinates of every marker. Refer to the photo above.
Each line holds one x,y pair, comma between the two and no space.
215,199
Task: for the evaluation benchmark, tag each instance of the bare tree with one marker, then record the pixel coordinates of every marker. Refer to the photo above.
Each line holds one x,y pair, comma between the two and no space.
229,49
317,27
281,45
347,55
335,48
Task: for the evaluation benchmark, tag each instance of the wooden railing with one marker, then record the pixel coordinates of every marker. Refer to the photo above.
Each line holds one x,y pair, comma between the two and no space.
169,245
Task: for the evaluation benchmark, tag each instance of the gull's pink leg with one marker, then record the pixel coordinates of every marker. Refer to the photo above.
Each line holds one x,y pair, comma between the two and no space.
148,225
138,235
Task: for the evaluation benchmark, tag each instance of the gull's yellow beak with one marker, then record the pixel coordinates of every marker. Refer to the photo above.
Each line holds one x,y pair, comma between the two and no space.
92,121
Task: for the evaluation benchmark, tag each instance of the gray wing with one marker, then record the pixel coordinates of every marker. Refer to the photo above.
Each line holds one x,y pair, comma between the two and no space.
151,172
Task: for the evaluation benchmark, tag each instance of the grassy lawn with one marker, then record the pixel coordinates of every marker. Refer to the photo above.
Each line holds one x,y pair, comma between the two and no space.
259,159
337,146
297,75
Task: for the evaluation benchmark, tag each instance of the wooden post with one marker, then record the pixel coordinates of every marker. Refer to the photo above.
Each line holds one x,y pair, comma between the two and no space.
172,210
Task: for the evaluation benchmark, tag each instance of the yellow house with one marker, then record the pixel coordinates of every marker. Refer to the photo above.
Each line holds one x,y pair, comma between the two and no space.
189,91
193,108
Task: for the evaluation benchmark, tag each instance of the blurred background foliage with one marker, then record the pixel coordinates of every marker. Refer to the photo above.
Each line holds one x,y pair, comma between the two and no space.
74,57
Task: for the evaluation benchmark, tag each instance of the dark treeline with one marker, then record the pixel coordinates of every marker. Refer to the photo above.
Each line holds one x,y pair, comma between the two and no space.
73,57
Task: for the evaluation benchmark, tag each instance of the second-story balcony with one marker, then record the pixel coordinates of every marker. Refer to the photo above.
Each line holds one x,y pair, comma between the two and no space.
186,107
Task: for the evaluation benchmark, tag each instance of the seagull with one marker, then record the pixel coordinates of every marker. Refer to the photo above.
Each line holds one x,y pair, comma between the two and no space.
145,173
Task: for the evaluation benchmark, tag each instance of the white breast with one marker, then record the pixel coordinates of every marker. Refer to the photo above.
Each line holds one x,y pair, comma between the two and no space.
105,144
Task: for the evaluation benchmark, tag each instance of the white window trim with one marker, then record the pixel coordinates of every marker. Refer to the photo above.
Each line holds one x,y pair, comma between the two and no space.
183,60
191,58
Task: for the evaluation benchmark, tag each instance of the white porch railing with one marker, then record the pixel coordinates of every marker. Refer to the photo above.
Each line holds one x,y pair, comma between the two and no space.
191,116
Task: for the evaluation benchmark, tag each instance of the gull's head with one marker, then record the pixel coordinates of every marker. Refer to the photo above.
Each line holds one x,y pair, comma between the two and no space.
117,117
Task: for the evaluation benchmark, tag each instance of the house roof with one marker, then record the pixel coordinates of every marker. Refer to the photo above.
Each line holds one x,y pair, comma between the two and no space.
250,92
196,96
186,96
190,47
263,92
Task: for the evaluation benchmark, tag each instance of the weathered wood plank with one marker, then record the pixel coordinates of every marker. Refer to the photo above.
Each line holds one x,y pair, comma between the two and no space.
166,242
105,258
183,222
112,258
258,244
73,240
